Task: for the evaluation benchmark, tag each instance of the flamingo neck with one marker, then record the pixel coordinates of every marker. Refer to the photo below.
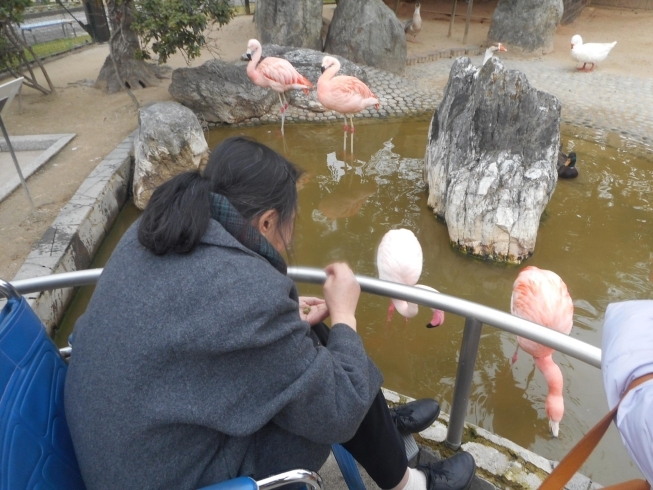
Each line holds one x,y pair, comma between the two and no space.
405,309
328,74
253,63
554,402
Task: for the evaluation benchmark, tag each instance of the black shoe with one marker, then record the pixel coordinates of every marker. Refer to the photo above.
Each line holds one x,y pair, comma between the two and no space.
415,416
454,473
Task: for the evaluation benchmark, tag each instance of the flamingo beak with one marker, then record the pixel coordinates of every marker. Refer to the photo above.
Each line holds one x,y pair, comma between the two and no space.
437,320
572,46
322,69
248,55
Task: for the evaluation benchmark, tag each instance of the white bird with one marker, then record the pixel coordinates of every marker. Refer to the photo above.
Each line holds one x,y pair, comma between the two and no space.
489,52
414,25
399,259
589,53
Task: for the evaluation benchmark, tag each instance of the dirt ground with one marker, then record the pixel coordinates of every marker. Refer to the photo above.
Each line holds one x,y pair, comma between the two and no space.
101,121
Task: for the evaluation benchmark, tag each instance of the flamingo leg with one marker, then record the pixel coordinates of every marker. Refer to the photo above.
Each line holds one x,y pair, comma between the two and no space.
391,310
582,67
351,129
592,69
514,356
344,136
283,112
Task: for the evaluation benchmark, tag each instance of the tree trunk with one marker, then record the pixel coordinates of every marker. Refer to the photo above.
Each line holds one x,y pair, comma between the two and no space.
133,73
15,51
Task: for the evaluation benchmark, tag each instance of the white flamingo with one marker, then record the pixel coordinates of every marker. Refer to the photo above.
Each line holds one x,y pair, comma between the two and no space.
399,259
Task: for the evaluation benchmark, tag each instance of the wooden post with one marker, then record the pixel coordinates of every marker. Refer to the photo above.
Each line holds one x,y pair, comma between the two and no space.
247,10
469,16
453,15
396,6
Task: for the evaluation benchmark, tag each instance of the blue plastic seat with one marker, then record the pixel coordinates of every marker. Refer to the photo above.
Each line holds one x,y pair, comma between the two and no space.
36,450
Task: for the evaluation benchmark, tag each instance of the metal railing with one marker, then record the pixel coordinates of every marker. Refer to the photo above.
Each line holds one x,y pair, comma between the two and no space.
475,316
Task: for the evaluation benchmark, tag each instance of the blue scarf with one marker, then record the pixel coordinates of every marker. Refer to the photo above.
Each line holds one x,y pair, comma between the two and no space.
224,213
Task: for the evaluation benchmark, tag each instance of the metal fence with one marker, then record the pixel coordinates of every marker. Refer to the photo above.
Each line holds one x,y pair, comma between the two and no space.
52,25
475,316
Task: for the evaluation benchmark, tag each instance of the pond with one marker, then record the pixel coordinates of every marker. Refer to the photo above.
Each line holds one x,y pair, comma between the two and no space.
596,234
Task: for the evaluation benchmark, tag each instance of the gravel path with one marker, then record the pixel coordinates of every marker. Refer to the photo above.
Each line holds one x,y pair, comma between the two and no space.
621,104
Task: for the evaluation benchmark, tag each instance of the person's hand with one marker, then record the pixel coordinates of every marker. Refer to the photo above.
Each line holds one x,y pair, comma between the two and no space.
312,310
341,292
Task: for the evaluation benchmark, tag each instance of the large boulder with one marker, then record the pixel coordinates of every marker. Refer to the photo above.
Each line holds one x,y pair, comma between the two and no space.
368,32
490,163
526,25
220,92
169,141
295,23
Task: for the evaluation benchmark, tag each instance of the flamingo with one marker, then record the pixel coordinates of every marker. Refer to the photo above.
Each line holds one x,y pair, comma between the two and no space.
542,297
275,73
399,259
344,94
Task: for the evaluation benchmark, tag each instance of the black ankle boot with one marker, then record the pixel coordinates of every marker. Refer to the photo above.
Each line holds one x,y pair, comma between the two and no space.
415,416
454,473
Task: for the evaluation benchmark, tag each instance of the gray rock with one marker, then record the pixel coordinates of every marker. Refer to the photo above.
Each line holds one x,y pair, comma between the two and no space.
368,32
490,163
220,92
169,141
527,25
295,23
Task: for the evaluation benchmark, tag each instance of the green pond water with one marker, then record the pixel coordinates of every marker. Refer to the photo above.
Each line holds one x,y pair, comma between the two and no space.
596,233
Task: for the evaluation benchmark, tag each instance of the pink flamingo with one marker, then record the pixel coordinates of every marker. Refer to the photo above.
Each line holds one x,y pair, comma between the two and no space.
542,297
344,94
275,73
399,259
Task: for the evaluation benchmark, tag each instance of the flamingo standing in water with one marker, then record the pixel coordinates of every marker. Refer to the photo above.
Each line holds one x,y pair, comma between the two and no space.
542,297
275,73
344,94
399,259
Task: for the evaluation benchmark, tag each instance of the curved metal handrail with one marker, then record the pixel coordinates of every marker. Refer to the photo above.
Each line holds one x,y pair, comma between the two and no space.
475,315
490,316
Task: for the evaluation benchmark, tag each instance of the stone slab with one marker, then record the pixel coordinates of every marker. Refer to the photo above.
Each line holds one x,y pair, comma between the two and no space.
71,241
32,153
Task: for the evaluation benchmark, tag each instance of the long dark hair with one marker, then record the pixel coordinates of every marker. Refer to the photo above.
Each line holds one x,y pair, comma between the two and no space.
253,177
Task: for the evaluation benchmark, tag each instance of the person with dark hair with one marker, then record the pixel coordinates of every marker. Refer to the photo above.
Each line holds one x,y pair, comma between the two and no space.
196,361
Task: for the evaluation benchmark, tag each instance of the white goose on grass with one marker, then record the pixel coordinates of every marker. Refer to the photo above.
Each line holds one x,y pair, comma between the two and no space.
590,53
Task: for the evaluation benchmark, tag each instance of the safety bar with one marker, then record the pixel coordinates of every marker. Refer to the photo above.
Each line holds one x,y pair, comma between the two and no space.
310,478
474,313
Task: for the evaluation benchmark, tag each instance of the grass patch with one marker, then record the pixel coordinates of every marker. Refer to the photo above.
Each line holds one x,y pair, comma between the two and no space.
49,48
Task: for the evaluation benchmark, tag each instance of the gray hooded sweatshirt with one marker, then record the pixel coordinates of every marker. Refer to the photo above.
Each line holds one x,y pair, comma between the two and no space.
192,369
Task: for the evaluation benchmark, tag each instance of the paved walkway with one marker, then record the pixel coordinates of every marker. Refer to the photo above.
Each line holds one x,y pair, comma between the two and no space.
620,104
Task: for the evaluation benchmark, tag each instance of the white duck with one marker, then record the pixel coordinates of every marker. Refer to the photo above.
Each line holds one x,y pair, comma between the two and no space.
414,25
489,52
589,53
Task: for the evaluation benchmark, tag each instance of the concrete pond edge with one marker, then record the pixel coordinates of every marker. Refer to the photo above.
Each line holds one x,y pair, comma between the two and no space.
75,235
499,461
50,143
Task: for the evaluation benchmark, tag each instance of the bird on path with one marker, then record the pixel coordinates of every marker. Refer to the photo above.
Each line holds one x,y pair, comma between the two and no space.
414,25
541,296
589,53
399,259
344,94
275,73
489,52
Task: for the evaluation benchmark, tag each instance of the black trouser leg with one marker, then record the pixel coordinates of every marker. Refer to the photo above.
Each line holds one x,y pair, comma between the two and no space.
377,445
